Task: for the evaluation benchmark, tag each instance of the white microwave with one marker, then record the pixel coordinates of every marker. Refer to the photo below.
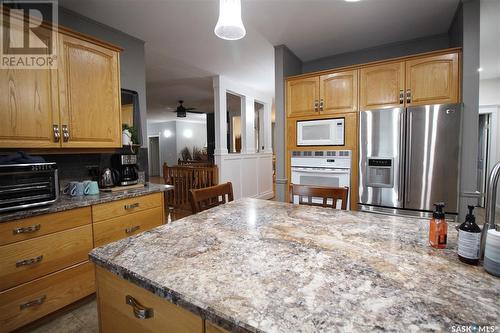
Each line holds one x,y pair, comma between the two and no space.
324,132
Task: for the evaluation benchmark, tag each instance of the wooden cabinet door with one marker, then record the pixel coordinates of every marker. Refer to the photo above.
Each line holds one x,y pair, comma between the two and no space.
90,94
382,86
339,92
432,80
28,105
302,97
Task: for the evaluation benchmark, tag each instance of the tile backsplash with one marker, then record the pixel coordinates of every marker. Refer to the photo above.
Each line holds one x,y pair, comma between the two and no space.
77,166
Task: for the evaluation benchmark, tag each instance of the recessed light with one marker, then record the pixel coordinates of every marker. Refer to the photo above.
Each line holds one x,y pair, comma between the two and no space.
352,0
480,69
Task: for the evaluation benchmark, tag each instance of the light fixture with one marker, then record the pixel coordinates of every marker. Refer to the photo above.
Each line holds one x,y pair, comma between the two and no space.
167,133
188,133
230,26
352,0
480,69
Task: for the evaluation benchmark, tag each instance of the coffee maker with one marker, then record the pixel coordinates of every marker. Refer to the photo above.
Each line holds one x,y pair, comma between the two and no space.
126,165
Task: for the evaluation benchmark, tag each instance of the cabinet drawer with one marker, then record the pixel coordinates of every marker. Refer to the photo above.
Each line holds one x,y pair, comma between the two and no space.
35,299
28,228
124,226
123,207
117,316
26,260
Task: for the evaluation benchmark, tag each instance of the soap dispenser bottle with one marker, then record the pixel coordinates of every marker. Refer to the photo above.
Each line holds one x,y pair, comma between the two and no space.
469,239
438,228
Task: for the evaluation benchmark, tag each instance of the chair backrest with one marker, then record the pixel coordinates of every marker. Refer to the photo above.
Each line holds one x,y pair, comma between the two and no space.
205,198
330,195
185,178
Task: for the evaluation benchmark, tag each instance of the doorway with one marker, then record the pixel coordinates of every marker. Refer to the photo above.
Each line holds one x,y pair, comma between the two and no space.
154,155
484,143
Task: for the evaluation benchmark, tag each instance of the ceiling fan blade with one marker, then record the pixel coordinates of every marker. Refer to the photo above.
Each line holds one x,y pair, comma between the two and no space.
189,109
196,112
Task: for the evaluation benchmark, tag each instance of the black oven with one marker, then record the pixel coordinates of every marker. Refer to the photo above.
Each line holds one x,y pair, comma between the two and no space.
28,185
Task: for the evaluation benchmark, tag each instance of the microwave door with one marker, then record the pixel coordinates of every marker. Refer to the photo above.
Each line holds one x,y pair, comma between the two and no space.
381,157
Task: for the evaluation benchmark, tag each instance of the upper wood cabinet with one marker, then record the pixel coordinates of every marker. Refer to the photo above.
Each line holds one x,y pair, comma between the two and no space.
302,97
76,105
90,94
382,86
28,104
339,92
432,80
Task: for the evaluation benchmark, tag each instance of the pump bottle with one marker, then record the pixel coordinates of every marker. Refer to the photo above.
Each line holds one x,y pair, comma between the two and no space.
438,228
469,239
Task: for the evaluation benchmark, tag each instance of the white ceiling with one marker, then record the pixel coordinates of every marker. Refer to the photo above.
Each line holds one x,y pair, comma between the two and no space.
182,52
490,39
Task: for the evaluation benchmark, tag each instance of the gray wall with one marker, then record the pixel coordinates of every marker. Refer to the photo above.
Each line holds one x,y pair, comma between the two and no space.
171,147
132,63
285,64
470,97
393,50
198,140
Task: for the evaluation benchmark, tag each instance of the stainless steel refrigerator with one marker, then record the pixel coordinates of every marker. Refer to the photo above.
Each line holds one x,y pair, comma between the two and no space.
409,159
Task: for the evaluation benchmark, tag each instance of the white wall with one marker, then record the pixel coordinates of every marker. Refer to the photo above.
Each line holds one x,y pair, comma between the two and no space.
489,98
250,172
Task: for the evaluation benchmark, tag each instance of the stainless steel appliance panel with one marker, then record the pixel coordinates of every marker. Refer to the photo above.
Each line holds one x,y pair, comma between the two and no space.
381,157
433,155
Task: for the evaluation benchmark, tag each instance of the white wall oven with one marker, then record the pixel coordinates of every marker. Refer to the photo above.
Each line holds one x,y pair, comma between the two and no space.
328,168
323,132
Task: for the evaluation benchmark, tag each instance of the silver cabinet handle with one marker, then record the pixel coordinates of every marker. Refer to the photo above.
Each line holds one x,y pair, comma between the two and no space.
401,96
132,229
65,131
321,104
408,96
57,134
27,230
34,302
27,262
131,206
140,311
316,105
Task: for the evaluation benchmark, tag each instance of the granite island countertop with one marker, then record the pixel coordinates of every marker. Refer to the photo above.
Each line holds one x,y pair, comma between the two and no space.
262,266
66,202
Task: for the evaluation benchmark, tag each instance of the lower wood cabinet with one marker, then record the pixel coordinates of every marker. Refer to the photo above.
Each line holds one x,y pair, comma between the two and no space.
116,314
44,259
125,226
27,260
30,301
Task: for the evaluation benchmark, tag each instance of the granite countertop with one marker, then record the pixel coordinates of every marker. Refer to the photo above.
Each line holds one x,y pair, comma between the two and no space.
262,266
66,202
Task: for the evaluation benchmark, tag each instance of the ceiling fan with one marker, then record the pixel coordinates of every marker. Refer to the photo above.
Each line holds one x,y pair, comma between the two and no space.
181,110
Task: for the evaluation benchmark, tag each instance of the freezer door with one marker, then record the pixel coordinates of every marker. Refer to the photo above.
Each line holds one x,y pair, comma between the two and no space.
381,154
433,154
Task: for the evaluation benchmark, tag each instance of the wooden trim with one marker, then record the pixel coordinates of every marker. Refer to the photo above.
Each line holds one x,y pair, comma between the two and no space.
377,62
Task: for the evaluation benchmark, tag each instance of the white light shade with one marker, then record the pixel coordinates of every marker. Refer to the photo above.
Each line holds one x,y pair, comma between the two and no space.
230,26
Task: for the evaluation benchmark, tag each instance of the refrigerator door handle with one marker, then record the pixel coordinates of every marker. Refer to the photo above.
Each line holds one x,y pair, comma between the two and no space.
401,154
408,157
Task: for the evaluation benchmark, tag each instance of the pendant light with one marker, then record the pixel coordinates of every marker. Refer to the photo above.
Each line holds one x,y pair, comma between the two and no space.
230,26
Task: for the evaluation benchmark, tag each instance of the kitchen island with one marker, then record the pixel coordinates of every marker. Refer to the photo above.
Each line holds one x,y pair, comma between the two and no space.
262,266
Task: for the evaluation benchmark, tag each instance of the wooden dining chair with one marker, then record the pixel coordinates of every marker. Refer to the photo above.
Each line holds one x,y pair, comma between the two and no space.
325,193
208,197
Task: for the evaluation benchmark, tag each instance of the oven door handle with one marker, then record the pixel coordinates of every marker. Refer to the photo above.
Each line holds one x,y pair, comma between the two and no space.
322,171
